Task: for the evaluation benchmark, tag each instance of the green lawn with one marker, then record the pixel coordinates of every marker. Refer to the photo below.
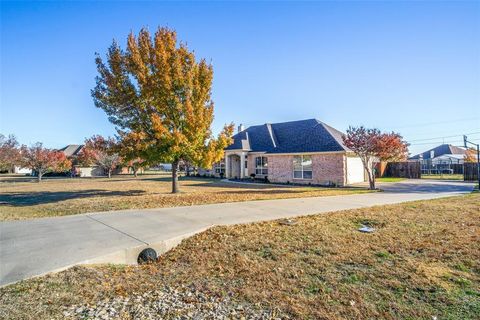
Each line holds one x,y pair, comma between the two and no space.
389,179
443,176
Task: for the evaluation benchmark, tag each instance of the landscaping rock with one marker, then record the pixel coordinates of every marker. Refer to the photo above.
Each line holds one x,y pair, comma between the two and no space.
171,303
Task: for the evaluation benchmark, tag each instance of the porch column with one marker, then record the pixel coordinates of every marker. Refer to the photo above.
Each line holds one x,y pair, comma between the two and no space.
227,167
242,165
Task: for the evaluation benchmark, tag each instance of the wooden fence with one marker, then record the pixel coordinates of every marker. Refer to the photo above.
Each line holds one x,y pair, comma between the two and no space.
470,171
457,168
407,169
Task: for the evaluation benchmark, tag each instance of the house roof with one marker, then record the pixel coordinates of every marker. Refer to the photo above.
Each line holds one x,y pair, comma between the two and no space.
300,136
450,156
71,150
439,151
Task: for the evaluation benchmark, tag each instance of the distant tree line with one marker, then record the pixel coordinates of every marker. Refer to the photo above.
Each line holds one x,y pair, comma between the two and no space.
39,159
106,153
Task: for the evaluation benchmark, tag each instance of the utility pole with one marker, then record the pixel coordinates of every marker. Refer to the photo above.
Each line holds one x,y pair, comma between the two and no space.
465,142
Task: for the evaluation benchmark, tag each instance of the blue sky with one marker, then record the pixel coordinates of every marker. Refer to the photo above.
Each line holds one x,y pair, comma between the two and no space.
412,67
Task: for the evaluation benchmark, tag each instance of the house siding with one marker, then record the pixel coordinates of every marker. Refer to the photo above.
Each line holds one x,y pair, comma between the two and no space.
327,168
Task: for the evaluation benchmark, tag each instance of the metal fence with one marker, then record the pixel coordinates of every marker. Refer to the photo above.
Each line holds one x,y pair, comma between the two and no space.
449,166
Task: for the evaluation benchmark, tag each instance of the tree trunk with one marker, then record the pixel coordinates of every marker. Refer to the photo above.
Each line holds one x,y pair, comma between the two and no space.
109,173
39,177
135,172
371,179
175,177
368,165
372,183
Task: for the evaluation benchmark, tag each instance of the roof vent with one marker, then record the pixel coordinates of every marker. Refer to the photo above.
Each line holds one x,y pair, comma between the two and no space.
241,127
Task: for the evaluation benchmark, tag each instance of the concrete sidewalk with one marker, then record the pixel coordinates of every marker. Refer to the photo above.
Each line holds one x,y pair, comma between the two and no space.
35,247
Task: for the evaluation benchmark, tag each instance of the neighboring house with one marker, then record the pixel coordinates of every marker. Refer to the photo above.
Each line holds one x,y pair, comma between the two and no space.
304,151
72,150
441,150
445,158
21,170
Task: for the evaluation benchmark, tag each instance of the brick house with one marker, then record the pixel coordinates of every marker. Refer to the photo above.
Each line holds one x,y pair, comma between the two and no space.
304,152
72,151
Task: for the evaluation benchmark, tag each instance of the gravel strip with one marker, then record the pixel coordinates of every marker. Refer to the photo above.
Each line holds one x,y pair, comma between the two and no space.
170,303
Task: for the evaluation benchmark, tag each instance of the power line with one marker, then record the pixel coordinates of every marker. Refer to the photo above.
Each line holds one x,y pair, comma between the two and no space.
440,142
438,122
453,136
459,142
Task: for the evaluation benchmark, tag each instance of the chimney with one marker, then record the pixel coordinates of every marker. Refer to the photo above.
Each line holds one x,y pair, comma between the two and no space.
241,128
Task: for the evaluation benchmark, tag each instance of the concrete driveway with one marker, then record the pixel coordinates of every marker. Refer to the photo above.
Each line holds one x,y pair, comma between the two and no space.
35,247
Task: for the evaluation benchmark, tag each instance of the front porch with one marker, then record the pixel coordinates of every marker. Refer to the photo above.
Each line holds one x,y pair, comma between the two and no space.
236,165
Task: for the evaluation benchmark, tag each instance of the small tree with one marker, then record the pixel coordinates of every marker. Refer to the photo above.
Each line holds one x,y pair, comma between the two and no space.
157,90
42,160
372,146
470,155
102,152
9,152
130,147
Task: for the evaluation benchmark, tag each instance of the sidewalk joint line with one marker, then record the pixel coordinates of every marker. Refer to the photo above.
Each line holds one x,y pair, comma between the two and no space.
122,232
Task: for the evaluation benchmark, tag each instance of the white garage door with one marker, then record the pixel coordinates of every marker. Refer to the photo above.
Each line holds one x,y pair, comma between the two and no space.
355,171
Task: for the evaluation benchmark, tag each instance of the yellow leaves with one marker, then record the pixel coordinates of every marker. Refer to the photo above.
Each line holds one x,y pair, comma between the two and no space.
159,127
158,87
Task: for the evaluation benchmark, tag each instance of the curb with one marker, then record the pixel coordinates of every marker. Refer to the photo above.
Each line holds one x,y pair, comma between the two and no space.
126,256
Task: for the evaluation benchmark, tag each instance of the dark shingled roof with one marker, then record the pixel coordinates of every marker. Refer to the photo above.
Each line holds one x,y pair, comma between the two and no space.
440,150
290,137
71,150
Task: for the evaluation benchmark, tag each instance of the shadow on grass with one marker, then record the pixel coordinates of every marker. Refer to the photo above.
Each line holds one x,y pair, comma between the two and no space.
284,191
260,186
24,199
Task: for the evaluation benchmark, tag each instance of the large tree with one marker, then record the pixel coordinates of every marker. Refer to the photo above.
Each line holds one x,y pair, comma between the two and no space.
102,152
157,90
372,146
42,160
9,152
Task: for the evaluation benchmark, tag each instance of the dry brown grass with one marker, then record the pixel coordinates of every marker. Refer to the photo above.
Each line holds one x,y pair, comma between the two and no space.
423,261
23,198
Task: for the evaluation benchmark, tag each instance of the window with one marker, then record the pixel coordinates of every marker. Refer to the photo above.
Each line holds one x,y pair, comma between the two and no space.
261,164
302,167
220,168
